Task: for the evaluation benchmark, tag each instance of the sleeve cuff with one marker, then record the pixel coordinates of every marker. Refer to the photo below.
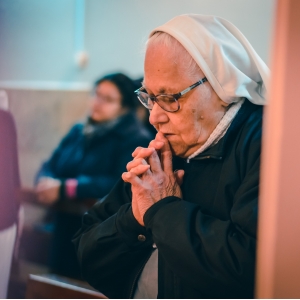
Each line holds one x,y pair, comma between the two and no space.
71,188
134,234
150,213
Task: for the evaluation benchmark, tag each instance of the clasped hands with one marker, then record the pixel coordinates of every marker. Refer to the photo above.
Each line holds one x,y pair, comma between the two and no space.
151,176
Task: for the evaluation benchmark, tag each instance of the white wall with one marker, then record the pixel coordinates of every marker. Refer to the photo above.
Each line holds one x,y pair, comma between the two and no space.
38,37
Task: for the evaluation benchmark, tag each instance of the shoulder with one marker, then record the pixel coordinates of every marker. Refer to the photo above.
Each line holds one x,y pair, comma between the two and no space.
78,126
245,132
74,133
247,124
249,135
76,129
252,127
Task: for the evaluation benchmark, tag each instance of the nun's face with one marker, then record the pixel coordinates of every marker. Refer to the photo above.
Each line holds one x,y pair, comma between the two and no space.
200,109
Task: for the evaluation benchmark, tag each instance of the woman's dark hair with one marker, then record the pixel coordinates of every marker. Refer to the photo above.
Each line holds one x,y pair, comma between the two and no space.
126,87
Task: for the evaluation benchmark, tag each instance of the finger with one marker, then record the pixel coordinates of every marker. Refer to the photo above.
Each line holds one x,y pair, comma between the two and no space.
131,178
144,153
179,176
134,163
140,170
157,145
137,151
165,153
155,163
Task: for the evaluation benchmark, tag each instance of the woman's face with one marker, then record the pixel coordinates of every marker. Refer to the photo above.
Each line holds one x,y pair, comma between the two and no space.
106,104
200,109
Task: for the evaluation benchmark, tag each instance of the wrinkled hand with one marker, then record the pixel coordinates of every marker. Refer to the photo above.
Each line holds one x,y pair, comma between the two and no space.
48,190
151,176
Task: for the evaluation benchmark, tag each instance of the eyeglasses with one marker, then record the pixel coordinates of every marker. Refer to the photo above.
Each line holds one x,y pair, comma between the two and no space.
167,102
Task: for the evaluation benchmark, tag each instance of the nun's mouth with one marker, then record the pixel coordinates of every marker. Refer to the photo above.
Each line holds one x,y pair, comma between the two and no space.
166,134
169,136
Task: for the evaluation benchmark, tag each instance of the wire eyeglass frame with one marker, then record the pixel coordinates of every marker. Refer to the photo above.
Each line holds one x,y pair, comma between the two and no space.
163,100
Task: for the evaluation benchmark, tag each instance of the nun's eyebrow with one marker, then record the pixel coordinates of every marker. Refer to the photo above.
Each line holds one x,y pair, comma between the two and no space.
161,90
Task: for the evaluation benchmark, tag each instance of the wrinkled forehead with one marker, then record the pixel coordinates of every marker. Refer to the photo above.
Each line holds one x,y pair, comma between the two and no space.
165,61
168,71
161,63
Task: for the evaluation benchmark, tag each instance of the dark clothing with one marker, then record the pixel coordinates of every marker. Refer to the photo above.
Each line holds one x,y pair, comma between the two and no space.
97,160
62,257
9,171
96,156
206,242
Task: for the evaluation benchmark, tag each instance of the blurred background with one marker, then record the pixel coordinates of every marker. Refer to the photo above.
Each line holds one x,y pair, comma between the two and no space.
51,52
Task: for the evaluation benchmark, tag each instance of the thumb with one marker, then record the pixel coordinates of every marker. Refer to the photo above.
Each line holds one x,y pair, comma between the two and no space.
179,176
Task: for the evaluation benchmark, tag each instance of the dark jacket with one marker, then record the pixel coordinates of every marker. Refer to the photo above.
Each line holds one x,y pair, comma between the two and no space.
96,161
206,241
9,171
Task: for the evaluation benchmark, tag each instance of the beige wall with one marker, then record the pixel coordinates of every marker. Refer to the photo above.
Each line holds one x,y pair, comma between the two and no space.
42,119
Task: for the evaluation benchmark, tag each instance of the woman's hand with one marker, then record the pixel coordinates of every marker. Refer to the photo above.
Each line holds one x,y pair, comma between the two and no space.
151,176
48,190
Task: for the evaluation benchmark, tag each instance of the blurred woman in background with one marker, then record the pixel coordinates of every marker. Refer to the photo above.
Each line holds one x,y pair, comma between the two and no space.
89,160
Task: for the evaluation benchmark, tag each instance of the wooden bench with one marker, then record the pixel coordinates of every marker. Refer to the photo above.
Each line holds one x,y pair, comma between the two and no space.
45,287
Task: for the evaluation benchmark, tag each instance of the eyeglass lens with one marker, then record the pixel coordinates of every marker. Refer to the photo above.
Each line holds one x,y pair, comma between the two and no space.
166,102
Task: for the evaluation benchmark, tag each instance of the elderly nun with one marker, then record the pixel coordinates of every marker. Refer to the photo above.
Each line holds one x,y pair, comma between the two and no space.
182,221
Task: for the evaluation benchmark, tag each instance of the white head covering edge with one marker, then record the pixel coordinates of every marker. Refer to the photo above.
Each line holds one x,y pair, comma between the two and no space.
223,53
